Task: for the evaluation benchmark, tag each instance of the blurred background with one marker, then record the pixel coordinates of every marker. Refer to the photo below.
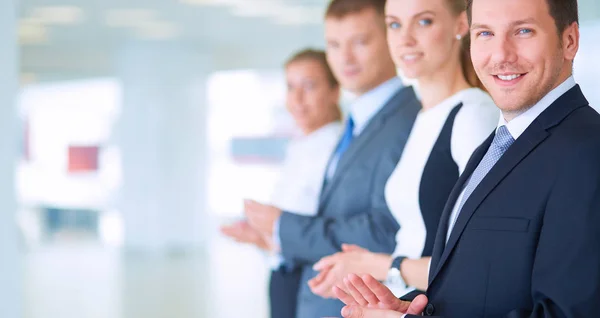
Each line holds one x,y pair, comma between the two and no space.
130,130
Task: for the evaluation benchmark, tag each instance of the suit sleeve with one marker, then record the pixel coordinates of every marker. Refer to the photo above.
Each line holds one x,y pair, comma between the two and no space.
306,239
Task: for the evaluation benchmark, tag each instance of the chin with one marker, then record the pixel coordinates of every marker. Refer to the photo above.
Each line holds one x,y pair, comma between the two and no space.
513,98
414,71
509,107
410,74
513,108
348,84
354,87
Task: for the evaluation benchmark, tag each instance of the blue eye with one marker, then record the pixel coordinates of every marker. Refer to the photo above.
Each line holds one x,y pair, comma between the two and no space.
394,25
484,33
525,31
425,22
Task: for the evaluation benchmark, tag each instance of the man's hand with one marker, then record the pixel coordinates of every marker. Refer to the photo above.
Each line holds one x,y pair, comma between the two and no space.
242,232
354,260
365,295
261,216
360,312
322,283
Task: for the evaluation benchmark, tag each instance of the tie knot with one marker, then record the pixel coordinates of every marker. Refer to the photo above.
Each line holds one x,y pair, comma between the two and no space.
350,123
503,138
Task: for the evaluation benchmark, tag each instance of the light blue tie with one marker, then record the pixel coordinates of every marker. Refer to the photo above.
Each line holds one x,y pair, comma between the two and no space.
500,144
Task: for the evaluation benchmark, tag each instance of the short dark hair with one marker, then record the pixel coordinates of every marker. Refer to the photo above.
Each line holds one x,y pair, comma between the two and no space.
341,8
317,56
564,12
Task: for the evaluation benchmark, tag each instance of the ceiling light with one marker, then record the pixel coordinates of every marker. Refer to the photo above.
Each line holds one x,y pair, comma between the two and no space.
158,30
58,15
300,15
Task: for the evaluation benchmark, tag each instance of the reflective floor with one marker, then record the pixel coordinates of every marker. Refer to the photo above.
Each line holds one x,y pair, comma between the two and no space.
85,280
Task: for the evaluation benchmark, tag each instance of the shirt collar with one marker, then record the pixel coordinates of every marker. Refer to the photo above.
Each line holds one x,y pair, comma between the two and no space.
364,107
519,124
325,129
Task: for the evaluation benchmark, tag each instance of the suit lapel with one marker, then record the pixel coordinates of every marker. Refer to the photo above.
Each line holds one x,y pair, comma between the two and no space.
527,142
402,98
440,238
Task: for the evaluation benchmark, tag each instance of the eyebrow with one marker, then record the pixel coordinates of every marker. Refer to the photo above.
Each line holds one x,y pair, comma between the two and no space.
526,21
512,24
479,26
416,15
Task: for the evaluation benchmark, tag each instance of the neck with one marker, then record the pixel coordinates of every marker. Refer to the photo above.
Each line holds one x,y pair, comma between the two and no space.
386,76
441,85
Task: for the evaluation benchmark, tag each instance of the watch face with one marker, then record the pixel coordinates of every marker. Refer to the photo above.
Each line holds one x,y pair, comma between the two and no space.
393,275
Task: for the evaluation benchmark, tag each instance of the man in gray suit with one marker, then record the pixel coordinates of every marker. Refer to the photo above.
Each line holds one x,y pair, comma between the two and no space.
352,208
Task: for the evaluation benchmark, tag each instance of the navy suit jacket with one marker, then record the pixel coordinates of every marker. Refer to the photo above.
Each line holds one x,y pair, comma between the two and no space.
527,241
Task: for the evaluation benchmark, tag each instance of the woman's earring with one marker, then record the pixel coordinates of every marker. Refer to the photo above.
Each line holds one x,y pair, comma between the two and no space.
458,37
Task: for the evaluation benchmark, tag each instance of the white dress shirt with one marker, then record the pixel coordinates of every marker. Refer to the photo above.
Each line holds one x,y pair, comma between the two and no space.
516,127
365,107
299,186
472,125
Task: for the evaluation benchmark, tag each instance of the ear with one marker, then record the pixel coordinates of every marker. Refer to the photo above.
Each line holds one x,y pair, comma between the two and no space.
570,41
462,26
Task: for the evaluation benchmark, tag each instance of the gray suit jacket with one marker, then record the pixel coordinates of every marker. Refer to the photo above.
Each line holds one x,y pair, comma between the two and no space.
352,207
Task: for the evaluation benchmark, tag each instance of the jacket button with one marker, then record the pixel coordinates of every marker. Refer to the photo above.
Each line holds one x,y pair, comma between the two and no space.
429,310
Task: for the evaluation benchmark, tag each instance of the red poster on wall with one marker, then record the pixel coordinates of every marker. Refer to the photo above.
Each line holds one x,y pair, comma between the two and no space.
83,159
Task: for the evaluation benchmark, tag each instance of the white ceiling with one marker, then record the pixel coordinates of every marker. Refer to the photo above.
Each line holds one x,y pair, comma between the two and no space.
75,38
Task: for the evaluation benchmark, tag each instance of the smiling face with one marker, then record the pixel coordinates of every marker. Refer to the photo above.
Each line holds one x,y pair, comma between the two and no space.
518,53
422,35
311,99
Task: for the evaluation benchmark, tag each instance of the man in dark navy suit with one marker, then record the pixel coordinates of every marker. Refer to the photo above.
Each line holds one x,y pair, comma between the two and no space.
520,235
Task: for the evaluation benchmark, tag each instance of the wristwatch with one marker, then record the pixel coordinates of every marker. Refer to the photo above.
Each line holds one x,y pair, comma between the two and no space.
394,277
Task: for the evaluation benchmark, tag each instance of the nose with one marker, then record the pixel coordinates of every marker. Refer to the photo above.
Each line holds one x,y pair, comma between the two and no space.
406,36
348,54
504,52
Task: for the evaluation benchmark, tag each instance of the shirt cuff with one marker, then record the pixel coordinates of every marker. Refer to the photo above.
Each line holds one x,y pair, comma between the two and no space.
429,266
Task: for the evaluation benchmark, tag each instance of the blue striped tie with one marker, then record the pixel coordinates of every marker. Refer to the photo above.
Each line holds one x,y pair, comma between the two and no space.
500,144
